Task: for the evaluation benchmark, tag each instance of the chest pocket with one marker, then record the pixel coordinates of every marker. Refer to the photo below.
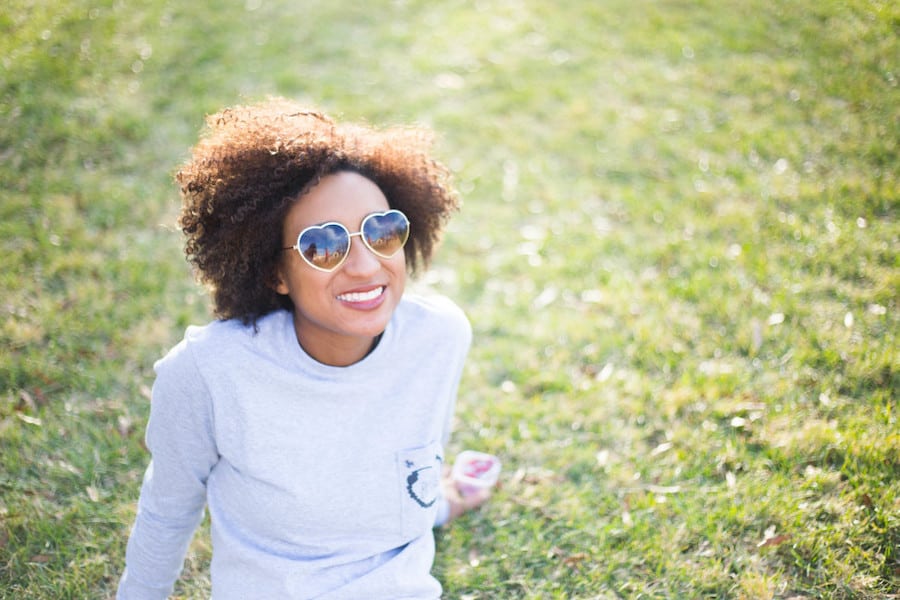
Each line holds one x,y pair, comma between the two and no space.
420,475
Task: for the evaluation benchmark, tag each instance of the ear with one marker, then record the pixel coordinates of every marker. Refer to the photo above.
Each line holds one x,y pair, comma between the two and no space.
276,281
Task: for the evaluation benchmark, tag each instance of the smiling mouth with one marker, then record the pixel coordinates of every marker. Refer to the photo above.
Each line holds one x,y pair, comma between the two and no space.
361,296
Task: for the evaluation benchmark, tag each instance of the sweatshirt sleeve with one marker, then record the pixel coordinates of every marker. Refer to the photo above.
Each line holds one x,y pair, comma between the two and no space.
173,494
443,512
463,331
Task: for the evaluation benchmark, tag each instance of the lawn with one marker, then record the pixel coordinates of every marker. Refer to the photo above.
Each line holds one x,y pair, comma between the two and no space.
678,249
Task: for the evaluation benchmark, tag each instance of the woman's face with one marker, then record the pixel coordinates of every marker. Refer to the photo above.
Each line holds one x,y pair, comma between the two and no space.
338,314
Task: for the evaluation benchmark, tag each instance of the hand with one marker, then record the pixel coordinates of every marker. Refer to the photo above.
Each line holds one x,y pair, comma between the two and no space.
460,504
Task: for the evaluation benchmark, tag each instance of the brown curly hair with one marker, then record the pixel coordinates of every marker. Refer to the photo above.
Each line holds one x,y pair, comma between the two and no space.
253,162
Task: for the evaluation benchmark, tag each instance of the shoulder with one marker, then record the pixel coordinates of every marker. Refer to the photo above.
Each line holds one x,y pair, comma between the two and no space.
434,312
432,306
218,342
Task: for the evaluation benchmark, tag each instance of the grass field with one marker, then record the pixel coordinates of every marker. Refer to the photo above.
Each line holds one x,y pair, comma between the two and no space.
678,250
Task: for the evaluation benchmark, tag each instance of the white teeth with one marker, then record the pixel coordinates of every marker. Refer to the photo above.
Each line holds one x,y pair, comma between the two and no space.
361,296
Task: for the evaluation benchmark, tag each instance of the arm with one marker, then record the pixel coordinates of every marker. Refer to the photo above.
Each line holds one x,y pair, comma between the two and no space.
458,504
173,494
452,502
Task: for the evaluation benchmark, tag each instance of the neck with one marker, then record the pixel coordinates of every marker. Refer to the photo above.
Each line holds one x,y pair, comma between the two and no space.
339,353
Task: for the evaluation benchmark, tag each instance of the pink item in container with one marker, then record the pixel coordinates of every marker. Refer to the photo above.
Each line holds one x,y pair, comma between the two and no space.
474,471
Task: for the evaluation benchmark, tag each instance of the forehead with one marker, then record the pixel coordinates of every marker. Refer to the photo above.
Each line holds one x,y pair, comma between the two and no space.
345,197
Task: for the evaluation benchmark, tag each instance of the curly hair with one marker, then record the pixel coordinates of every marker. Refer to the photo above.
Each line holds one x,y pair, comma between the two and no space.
253,162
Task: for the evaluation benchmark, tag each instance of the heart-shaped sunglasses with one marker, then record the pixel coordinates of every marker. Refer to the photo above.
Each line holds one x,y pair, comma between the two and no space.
325,247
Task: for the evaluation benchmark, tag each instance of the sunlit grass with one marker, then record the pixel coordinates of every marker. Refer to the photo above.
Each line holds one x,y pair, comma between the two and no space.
678,250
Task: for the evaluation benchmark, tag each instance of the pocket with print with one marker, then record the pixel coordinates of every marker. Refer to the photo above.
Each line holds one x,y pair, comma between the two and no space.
420,471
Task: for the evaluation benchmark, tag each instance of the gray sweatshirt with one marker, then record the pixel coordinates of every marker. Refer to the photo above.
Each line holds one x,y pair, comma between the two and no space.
321,482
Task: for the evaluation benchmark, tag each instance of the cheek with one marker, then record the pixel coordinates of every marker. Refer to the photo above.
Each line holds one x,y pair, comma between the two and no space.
299,282
400,269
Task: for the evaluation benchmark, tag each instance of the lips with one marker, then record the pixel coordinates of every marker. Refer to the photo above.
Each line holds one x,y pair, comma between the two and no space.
362,297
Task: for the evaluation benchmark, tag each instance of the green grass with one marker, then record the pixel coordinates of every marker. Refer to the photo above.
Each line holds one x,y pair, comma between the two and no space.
678,249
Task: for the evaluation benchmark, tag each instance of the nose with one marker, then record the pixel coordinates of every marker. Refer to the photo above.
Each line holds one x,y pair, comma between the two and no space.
361,261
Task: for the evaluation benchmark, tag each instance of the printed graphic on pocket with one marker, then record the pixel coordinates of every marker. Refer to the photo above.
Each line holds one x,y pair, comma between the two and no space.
422,473
421,486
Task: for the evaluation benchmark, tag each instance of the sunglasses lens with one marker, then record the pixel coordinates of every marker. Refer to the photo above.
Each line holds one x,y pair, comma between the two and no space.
386,233
324,246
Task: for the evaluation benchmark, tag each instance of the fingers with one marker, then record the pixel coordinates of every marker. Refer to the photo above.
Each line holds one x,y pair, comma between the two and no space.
476,498
461,503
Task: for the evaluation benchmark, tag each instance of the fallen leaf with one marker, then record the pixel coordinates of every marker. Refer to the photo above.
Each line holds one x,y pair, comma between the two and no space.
546,298
29,420
775,319
474,558
848,320
125,426
574,560
877,309
664,447
92,493
605,373
65,466
774,540
603,458
535,476
738,422
27,401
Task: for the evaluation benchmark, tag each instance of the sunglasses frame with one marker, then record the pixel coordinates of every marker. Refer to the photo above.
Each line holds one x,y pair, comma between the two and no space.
350,237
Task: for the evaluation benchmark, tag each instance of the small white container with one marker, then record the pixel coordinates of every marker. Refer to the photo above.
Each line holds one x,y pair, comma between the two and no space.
474,471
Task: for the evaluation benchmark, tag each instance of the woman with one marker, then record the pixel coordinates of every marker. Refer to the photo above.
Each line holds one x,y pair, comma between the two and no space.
311,417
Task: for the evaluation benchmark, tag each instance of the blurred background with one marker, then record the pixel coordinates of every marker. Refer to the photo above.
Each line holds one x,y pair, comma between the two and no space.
678,248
